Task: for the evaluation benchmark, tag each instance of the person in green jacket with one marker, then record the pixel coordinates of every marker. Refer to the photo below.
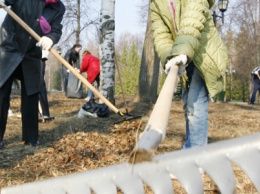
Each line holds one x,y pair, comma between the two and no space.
185,35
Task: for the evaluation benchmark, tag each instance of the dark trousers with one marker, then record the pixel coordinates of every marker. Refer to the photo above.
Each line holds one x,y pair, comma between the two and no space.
29,108
253,94
43,93
65,78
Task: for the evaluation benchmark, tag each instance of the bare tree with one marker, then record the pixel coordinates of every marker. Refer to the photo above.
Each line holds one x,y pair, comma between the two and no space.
244,43
80,21
149,72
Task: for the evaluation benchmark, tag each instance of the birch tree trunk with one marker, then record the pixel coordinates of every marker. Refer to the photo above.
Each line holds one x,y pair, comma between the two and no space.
107,49
150,66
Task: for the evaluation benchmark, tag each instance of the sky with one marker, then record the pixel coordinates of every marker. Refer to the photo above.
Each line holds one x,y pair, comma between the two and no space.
126,17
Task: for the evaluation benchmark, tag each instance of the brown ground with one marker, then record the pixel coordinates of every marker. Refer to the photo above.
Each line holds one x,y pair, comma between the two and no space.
70,145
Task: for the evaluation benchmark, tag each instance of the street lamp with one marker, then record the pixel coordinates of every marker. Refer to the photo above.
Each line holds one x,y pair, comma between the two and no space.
222,6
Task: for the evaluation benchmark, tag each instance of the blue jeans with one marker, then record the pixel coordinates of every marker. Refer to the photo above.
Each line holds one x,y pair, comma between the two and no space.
195,105
90,94
253,94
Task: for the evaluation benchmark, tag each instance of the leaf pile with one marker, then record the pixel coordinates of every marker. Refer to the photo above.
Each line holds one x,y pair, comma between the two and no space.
78,152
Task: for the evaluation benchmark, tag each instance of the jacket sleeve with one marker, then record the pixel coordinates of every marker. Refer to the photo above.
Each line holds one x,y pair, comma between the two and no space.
162,32
56,26
192,20
191,23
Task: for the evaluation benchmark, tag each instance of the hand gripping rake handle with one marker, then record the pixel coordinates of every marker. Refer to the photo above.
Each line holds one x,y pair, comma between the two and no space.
155,130
159,118
63,61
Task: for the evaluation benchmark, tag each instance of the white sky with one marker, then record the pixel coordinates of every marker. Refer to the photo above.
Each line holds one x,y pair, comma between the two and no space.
126,17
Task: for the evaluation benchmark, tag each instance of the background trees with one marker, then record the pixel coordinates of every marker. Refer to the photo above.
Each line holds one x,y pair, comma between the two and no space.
128,59
241,35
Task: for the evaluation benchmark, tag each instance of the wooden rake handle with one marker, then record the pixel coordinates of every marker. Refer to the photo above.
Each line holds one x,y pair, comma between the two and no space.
157,124
63,61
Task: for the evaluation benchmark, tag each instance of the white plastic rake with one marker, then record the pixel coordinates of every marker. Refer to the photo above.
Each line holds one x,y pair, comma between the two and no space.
216,159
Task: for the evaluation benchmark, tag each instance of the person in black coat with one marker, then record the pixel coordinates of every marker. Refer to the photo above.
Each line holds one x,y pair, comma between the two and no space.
20,58
72,57
256,84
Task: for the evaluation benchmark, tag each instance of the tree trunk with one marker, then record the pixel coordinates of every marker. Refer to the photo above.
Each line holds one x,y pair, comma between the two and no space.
107,50
78,23
149,72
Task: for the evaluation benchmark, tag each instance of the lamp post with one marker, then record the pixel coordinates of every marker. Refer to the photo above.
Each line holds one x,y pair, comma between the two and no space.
222,6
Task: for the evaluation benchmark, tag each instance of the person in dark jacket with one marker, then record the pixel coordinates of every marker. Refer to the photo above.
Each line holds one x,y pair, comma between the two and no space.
256,84
72,57
20,58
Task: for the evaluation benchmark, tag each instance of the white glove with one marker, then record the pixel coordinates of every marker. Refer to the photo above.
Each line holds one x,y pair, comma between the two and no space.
68,70
77,69
180,60
45,42
2,3
45,54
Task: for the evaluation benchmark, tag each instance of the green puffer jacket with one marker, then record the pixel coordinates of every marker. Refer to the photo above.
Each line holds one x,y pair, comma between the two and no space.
196,37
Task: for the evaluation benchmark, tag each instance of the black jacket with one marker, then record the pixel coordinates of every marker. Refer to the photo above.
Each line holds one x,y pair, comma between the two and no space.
256,77
72,57
18,46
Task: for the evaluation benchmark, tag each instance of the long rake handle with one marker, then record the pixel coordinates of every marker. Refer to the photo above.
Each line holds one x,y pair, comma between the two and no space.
157,124
63,61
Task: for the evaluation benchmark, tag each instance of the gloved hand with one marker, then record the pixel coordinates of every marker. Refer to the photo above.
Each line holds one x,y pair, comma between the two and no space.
68,70
45,42
180,60
2,3
77,69
45,55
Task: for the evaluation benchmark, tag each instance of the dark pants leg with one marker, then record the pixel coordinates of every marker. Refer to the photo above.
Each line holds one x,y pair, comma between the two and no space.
90,94
5,92
253,95
43,94
65,78
29,108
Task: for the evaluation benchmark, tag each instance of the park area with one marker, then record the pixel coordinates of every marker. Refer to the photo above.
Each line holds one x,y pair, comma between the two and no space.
70,145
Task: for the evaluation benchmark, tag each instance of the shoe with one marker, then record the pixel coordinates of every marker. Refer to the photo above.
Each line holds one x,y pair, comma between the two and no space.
31,143
46,118
10,113
1,144
87,99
